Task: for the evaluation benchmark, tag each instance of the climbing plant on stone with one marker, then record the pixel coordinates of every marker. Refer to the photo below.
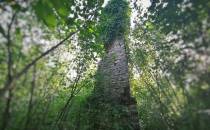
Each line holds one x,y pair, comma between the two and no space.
112,106
114,21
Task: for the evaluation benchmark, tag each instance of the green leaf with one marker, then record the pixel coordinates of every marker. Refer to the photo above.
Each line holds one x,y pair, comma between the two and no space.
44,11
62,7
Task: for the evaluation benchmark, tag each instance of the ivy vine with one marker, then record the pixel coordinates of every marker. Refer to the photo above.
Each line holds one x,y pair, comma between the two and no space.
114,21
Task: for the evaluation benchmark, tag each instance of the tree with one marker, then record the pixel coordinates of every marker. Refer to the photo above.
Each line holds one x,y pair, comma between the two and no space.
51,77
172,70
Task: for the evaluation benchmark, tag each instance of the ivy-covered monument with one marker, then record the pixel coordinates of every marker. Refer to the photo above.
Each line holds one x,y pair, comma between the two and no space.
113,107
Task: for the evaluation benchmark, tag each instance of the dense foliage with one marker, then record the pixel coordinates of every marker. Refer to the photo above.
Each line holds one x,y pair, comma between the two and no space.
49,51
114,21
171,52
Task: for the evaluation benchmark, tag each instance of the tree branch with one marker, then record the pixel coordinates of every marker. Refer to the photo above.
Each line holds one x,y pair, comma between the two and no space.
9,48
27,67
9,85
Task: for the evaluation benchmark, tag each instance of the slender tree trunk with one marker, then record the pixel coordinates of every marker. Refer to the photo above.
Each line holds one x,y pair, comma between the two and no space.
6,114
30,105
8,96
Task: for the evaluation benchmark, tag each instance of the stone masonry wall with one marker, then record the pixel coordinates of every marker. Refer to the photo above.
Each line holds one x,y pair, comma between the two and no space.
114,82
114,71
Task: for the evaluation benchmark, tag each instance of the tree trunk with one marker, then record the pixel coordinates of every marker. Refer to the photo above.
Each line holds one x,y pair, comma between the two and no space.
31,100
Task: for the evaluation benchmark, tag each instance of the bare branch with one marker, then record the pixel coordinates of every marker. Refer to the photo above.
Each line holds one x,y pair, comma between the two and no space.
11,23
9,85
42,55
